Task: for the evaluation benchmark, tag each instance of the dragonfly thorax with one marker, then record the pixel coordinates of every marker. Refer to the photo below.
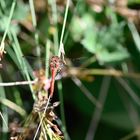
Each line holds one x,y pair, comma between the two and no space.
55,63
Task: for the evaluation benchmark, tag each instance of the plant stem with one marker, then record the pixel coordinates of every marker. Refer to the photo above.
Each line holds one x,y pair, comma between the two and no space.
63,28
8,23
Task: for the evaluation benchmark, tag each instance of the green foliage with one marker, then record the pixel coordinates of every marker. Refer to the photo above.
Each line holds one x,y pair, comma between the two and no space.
106,42
21,11
133,2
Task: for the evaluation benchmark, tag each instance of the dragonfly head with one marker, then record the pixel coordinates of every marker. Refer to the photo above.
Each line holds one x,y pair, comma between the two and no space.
56,63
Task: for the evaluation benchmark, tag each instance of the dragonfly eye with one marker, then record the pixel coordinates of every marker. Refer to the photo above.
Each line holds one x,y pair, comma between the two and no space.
55,58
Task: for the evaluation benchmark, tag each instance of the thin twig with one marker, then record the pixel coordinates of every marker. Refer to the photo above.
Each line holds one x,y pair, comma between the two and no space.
18,83
106,72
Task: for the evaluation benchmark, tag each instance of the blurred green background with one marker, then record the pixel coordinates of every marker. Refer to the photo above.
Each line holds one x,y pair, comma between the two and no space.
101,39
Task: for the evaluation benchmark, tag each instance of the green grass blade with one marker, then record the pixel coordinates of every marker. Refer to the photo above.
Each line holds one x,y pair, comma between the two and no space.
13,106
19,55
4,110
135,34
62,112
55,20
48,45
36,35
63,28
9,21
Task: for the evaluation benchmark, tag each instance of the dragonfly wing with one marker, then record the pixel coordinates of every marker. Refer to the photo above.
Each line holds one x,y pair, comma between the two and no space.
35,62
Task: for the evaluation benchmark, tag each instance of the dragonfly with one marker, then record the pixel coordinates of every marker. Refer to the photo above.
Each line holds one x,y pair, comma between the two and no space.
58,69
55,64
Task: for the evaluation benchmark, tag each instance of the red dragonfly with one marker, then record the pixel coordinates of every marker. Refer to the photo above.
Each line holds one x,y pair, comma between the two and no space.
55,66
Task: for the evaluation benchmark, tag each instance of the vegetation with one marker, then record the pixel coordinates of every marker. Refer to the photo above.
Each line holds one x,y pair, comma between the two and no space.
96,96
